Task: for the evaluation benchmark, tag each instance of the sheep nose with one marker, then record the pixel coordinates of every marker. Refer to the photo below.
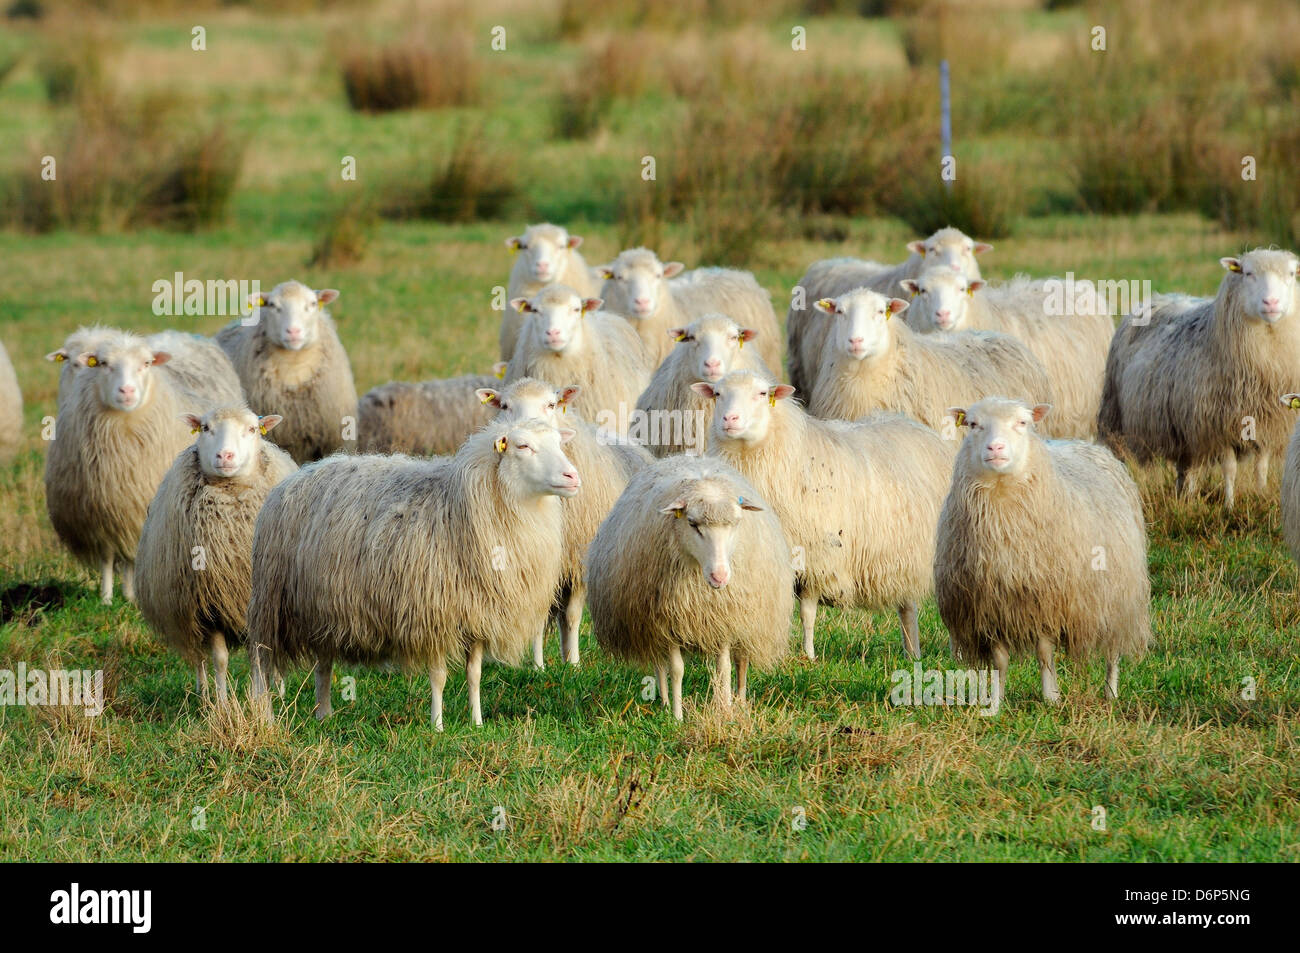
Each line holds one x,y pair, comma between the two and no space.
571,477
1271,303
713,364
731,418
127,390
997,446
720,576
945,313
856,341
955,267
642,303
226,456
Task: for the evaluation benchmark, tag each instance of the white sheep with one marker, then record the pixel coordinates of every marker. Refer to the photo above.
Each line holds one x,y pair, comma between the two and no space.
547,255
875,363
291,362
606,468
194,561
638,286
11,410
413,561
806,329
569,340
117,432
1195,380
84,340
858,501
429,418
1041,548
691,558
1291,484
708,349
1071,345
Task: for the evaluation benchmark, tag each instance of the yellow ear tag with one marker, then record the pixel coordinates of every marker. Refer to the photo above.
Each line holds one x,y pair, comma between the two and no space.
92,361
742,341
564,408
970,292
1236,268
501,444
262,427
961,419
679,513
680,337
500,375
514,250
915,293
771,399
1295,403
60,358
196,430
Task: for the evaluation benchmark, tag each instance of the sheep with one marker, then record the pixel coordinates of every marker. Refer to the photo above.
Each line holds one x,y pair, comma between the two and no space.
605,467
549,256
637,286
194,561
1041,547
1194,380
117,432
691,558
291,362
569,340
427,419
1071,345
1291,484
875,363
11,410
371,559
858,501
84,340
806,330
708,349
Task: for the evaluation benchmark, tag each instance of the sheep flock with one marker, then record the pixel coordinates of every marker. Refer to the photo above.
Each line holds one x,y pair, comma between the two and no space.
657,452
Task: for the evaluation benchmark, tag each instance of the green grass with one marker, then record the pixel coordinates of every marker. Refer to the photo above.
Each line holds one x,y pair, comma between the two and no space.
580,764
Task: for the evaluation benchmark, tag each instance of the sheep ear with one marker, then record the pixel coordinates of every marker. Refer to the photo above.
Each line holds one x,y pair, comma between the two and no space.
575,241
1291,400
1232,264
568,393
1040,411
326,295
896,305
566,434
499,369
673,269
782,391
747,334
192,421
676,508
974,286
513,243
747,505
268,422
981,247
916,247
677,334
58,357
911,286
825,305
520,304
958,415
487,395
592,304
704,389
161,357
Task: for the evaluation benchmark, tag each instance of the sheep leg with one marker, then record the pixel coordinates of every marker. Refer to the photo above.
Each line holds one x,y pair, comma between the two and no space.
722,676
106,580
661,675
220,665
1047,668
539,647
1228,463
911,631
1112,678
201,679
569,624
1001,658
323,675
1186,487
1261,470
742,675
128,582
473,675
676,668
808,616
437,681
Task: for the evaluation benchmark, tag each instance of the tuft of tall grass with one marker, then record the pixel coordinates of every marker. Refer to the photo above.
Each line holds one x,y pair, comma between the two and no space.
413,74
345,236
477,180
983,201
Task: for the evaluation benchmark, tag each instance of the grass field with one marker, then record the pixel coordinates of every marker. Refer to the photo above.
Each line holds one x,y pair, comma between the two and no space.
578,764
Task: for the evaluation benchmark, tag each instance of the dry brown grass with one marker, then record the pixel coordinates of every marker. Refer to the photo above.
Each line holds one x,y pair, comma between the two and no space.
441,70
